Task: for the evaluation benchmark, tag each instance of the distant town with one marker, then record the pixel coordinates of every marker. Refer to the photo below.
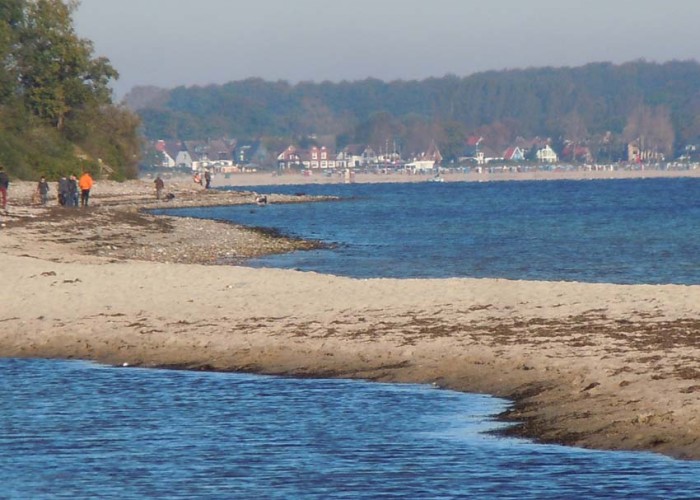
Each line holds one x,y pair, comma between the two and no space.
228,156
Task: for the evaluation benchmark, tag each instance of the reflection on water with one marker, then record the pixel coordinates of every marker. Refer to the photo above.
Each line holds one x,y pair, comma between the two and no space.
74,429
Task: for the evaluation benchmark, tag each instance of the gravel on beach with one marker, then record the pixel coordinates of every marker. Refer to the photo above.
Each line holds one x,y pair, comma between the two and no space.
118,225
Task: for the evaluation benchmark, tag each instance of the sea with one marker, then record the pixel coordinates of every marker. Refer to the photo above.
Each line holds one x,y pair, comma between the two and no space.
612,231
75,429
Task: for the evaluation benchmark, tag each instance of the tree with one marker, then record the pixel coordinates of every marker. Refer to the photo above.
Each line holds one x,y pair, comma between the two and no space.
56,72
55,97
575,104
652,128
451,140
10,16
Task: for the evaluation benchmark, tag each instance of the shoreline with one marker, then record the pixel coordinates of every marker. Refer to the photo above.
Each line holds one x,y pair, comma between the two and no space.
245,180
592,365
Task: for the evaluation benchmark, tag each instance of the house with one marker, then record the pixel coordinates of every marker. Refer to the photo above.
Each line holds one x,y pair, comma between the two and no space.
433,153
575,152
514,154
547,155
531,146
421,165
250,153
319,157
167,154
350,156
211,150
220,150
486,155
356,155
214,154
637,153
471,149
197,150
289,158
173,154
315,158
369,157
691,152
184,159
427,160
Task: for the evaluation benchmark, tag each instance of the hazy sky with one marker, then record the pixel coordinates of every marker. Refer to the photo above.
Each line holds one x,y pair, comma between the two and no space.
197,42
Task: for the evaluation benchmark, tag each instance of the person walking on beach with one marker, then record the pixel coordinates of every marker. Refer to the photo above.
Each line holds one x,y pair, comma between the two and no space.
72,199
43,189
207,179
160,185
85,184
63,191
4,185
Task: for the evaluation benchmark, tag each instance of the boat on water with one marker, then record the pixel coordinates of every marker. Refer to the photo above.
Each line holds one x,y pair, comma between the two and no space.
437,178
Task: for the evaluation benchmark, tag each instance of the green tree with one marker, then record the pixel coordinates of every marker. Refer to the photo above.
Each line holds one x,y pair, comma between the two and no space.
10,16
451,140
56,71
55,97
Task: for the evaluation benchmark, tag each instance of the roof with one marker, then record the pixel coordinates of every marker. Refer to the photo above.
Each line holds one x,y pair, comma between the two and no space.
433,153
508,154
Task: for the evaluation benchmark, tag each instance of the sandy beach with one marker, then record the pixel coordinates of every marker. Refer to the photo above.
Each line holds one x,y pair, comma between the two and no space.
599,173
592,365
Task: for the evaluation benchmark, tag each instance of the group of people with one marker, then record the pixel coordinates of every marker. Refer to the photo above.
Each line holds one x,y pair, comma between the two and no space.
71,190
206,181
159,184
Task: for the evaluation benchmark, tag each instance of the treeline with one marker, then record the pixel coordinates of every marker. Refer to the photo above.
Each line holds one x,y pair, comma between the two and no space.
56,110
597,103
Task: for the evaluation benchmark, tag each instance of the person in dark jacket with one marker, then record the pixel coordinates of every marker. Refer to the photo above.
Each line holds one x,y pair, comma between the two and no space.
73,192
4,185
43,189
160,185
63,191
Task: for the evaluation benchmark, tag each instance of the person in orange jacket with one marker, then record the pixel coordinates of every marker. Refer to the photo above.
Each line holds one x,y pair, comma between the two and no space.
85,183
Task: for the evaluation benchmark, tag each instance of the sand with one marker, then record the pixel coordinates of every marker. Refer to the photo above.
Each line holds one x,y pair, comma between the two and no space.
593,365
581,173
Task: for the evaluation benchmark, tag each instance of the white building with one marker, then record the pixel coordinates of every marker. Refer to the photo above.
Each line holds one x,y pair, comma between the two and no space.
421,165
184,159
547,155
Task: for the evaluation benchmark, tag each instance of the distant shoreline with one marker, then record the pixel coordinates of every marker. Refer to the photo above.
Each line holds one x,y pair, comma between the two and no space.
270,179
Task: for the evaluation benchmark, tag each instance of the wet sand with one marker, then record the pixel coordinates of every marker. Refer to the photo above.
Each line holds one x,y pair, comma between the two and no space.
593,365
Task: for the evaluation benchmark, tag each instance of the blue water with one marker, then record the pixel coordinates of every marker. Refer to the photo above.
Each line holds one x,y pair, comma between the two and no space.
79,430
615,231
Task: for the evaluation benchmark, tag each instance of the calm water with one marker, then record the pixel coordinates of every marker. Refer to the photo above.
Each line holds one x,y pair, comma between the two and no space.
77,430
616,231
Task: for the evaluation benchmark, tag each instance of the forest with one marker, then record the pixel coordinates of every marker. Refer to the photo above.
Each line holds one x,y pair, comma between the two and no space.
57,114
601,105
